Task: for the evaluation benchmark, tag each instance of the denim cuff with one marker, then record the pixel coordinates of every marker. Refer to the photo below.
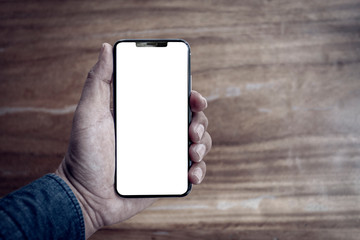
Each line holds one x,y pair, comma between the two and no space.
44,209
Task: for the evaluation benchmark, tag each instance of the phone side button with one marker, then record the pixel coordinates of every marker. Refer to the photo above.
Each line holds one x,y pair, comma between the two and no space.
190,85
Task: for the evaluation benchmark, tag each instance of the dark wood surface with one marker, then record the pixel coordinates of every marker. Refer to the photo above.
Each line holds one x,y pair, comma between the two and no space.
283,83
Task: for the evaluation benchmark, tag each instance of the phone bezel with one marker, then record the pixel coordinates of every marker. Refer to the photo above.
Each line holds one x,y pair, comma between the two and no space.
189,113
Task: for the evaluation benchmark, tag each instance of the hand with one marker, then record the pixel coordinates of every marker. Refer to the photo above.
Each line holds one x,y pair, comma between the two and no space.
89,164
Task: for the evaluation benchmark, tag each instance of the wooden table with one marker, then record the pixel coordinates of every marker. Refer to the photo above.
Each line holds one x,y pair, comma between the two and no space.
283,83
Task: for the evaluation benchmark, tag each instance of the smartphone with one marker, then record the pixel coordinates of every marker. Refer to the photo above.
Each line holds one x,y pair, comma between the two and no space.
152,84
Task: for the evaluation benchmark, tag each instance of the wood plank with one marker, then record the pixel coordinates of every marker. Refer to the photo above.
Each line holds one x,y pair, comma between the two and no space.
282,81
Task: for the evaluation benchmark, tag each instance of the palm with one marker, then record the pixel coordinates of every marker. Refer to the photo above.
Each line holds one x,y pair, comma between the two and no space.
92,162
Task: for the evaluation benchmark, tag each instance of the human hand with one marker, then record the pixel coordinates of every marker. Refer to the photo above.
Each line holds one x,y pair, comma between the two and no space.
89,164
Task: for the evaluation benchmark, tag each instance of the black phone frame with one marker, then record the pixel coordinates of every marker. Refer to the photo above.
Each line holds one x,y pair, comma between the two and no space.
189,82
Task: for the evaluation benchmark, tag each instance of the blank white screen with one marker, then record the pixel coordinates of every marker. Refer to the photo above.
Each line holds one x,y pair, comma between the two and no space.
152,119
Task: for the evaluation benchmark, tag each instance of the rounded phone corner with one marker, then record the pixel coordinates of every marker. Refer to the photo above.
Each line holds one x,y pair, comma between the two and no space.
185,42
118,193
120,41
187,192
117,42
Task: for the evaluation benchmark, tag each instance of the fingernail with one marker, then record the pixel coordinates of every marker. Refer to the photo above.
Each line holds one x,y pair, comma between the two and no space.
102,50
198,174
200,150
200,131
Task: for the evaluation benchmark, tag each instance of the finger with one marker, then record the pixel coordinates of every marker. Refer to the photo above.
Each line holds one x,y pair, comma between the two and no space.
198,126
198,151
197,102
96,92
197,172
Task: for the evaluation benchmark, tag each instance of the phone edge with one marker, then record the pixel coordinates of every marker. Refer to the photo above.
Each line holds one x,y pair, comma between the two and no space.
189,83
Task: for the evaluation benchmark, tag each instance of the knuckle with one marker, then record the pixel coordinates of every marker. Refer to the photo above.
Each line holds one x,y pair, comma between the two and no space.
202,165
202,118
206,120
208,141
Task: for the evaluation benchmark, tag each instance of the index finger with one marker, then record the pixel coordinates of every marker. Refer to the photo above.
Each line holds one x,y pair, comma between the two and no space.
197,102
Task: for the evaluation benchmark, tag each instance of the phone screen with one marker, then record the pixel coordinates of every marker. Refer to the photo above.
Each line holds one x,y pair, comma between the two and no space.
151,93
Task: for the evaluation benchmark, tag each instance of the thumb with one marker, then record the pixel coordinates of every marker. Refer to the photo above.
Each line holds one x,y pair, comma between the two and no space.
96,92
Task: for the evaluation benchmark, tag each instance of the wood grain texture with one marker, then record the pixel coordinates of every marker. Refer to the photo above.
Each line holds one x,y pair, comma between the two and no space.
283,83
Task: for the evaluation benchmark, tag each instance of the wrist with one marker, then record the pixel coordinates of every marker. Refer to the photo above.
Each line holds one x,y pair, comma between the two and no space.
89,215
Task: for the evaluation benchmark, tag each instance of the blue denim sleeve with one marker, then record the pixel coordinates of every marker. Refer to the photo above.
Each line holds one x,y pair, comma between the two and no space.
44,209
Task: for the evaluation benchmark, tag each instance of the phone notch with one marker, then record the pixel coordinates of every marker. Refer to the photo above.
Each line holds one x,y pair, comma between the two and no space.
151,44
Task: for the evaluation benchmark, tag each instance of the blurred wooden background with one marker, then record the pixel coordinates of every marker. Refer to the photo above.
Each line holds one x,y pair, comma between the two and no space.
283,83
